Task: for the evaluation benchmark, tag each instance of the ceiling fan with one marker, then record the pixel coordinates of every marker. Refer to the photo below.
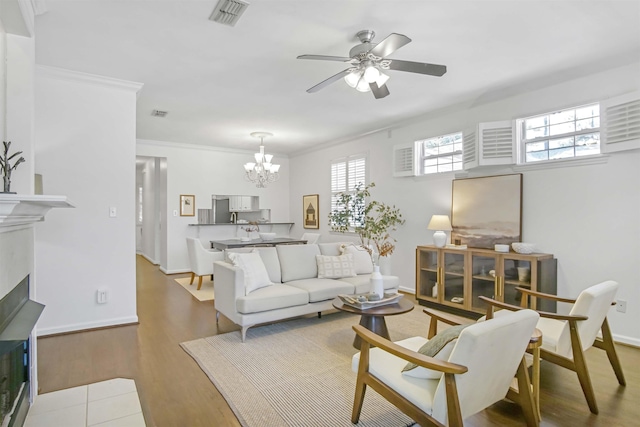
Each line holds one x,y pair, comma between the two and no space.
368,60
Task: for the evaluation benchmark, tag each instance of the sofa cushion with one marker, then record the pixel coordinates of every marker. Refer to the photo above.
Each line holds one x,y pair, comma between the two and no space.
271,298
335,267
361,258
362,284
255,273
298,261
322,289
332,249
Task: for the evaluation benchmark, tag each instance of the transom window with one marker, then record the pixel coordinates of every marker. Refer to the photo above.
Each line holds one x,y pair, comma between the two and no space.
346,173
561,134
441,154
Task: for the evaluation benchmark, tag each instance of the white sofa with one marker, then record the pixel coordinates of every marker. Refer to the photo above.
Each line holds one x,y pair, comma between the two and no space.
296,288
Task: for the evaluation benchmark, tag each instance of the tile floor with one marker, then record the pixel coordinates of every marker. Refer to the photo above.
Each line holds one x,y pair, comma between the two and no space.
112,403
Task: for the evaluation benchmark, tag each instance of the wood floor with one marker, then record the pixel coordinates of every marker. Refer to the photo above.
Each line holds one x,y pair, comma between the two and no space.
175,392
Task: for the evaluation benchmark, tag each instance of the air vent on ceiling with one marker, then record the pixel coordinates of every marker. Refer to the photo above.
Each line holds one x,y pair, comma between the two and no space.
158,113
228,12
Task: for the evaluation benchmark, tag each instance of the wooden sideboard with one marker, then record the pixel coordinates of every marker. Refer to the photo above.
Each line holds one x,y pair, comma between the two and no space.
453,279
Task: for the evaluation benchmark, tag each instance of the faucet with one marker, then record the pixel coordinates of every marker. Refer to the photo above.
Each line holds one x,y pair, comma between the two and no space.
234,217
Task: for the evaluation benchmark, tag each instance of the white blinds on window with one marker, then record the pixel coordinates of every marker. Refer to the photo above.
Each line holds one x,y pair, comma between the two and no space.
346,173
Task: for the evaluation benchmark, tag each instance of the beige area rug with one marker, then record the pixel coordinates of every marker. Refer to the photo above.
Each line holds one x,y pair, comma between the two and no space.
206,290
298,372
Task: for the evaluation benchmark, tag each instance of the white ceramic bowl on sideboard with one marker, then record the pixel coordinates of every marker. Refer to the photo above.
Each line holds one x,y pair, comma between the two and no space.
267,236
524,248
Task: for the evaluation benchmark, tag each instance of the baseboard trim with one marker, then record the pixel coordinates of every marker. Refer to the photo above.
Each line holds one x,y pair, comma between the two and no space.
84,327
152,261
169,272
411,291
630,341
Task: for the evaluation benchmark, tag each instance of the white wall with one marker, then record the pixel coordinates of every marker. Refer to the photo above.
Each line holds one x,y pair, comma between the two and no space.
587,216
85,149
204,171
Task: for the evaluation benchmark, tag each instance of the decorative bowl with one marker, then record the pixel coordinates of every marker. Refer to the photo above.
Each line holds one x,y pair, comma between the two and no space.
524,248
267,236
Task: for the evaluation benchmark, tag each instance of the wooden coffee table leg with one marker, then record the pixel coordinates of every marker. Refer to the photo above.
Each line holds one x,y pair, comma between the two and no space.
375,324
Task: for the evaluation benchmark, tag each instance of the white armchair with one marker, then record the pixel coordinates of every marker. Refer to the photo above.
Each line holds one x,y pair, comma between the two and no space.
488,353
567,337
201,260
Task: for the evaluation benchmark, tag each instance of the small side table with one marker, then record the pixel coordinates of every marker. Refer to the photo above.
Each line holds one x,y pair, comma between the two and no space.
373,318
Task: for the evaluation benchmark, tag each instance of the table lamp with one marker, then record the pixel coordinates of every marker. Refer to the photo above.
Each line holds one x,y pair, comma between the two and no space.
440,223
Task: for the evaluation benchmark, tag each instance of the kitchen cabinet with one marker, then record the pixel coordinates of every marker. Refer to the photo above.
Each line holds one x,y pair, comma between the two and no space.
449,278
243,203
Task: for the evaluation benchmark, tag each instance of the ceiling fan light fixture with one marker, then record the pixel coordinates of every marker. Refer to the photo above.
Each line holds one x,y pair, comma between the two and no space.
362,85
382,79
352,78
371,74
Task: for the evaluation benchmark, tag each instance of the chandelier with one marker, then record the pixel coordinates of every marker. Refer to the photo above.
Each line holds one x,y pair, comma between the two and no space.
262,171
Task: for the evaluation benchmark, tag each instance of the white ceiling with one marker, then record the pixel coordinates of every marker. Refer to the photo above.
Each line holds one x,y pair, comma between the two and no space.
221,83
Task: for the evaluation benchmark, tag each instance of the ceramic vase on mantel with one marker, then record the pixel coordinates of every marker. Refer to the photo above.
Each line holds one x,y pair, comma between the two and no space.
377,286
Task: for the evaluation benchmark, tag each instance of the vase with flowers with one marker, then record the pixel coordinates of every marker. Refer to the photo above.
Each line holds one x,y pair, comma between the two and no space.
372,221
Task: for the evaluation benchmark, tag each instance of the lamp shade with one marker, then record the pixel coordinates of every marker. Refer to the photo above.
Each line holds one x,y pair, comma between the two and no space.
440,223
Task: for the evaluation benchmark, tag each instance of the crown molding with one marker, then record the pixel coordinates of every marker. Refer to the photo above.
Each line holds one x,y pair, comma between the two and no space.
92,79
180,145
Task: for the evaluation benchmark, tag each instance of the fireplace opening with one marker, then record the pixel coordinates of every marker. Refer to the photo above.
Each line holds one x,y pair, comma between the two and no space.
18,316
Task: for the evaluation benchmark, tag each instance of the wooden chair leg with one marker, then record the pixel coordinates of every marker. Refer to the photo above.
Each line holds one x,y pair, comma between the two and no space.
193,276
609,347
361,387
199,282
453,403
525,396
581,368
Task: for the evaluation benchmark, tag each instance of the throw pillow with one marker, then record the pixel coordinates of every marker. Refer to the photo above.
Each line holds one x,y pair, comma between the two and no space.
439,347
255,273
361,258
335,267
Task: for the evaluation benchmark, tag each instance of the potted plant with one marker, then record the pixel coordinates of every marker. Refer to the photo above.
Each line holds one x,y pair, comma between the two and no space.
371,220
6,168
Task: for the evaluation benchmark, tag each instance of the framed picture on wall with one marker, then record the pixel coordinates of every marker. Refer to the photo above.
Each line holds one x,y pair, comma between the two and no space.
310,212
487,211
187,205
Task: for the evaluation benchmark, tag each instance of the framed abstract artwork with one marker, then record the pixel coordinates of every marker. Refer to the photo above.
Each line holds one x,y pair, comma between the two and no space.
487,211
310,212
187,205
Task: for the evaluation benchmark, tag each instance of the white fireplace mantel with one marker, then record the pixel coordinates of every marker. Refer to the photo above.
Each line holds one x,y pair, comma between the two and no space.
18,209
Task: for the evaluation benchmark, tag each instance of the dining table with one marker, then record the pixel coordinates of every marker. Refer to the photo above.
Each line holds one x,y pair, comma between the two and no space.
239,243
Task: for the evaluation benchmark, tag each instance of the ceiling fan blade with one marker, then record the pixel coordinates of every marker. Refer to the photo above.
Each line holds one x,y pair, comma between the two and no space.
389,45
379,92
330,80
325,58
418,67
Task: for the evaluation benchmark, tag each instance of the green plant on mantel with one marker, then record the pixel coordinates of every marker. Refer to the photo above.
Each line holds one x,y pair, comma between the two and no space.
372,221
6,168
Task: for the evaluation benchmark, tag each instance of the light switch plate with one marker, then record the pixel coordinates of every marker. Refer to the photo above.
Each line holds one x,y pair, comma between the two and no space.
113,212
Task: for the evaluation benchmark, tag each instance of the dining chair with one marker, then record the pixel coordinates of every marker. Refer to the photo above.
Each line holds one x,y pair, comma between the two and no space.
567,336
201,260
311,238
477,373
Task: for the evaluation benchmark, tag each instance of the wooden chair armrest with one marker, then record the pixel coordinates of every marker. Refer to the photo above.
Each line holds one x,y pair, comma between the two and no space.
406,354
447,318
543,295
546,314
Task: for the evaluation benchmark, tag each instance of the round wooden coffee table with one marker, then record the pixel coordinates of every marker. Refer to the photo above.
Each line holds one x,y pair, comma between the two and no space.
373,318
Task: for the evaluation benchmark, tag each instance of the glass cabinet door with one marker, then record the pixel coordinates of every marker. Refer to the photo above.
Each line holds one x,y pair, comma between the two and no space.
428,274
483,280
453,278
516,272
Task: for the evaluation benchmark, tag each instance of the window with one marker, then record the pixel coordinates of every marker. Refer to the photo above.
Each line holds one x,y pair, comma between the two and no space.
441,154
346,173
561,134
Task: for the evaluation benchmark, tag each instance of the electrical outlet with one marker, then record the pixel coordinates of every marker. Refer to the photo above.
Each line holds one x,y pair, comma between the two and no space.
102,296
113,212
621,306
175,213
